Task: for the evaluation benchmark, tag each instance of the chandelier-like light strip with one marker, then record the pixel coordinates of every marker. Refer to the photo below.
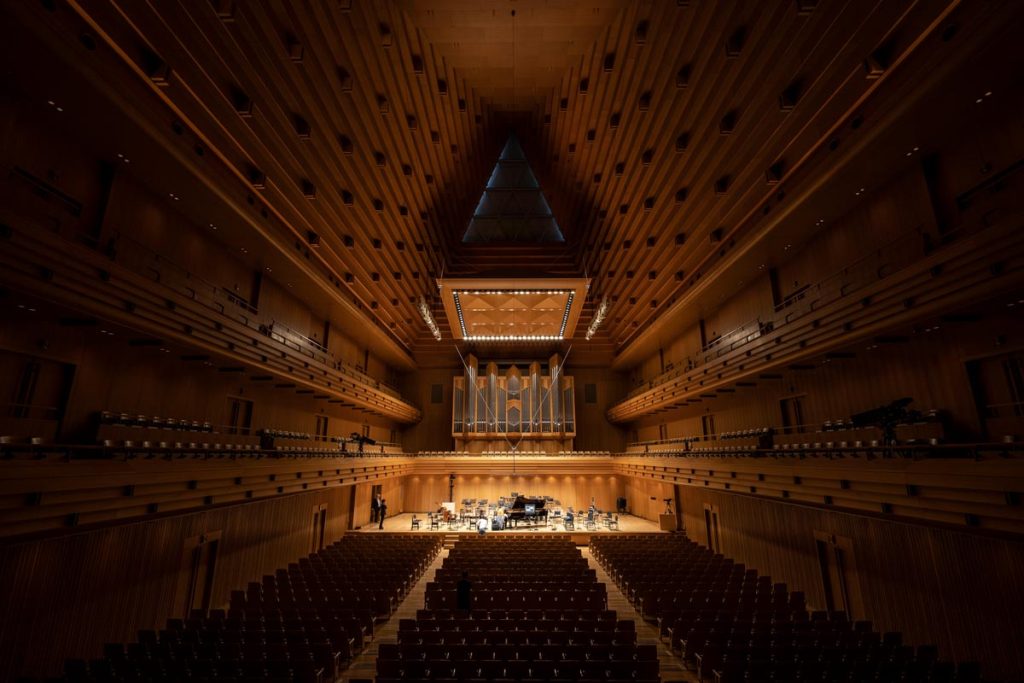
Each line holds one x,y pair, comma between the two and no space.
599,316
513,292
428,317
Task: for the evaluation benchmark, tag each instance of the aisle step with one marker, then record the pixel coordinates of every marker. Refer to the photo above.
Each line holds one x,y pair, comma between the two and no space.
646,634
364,666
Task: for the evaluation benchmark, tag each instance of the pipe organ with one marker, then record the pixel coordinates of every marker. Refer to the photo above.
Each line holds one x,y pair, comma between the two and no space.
515,407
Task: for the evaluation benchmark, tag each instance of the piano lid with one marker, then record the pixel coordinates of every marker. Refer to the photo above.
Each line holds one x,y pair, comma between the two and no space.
521,501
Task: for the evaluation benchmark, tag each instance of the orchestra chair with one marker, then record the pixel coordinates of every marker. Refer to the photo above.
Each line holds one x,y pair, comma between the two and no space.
415,522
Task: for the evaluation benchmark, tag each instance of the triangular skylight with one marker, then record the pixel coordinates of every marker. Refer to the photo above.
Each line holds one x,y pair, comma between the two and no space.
512,207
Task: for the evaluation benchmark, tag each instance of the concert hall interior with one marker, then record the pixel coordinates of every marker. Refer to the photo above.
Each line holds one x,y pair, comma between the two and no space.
690,330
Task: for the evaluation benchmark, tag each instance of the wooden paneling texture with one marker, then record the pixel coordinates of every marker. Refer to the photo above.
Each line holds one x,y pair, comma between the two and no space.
645,498
66,596
144,225
113,375
133,301
960,591
987,266
593,430
434,431
421,149
927,366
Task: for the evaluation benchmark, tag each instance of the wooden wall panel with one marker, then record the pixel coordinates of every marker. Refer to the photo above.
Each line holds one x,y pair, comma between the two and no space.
434,431
113,375
593,430
929,367
861,235
752,301
681,347
66,596
646,499
961,591
54,159
392,490
156,235
281,306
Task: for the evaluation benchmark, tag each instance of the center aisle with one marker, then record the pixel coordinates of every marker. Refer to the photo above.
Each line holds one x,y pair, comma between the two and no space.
671,666
364,666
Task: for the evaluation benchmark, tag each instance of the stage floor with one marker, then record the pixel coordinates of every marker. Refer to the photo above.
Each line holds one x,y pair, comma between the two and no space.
403,522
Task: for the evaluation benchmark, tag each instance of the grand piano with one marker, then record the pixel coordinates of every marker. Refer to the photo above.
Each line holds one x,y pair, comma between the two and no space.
527,509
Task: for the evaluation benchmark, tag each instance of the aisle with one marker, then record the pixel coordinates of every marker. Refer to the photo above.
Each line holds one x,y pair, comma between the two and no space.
364,666
646,634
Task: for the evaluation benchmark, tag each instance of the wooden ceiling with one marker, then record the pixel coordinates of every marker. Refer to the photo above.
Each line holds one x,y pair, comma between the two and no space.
513,53
664,134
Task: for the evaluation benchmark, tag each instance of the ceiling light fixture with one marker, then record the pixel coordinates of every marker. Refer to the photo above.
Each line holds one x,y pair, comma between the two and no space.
599,316
428,317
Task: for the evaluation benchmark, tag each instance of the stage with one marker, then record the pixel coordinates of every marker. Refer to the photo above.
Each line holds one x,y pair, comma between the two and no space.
628,524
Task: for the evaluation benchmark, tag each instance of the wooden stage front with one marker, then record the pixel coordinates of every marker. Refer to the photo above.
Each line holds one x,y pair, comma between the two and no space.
628,524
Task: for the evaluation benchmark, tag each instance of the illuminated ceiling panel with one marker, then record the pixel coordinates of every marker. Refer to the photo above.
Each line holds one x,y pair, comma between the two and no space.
513,309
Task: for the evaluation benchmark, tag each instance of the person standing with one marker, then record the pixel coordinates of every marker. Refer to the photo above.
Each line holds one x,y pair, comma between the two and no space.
375,509
463,593
383,512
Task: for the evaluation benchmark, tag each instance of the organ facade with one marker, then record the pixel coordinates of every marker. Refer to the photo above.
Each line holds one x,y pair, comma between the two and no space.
528,406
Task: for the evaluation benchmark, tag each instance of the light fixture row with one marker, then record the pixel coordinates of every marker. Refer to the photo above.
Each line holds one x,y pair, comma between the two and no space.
514,337
515,292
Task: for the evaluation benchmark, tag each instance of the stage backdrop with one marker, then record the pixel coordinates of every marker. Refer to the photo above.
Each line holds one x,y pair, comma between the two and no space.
424,492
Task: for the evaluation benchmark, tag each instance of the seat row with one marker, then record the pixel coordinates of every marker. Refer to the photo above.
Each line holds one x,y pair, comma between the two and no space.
552,615
553,652
536,612
261,637
731,625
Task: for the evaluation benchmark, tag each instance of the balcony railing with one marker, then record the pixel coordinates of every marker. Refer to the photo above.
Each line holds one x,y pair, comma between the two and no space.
142,259
872,267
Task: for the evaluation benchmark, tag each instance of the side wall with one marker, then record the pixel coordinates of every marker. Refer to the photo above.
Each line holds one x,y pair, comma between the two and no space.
64,597
962,592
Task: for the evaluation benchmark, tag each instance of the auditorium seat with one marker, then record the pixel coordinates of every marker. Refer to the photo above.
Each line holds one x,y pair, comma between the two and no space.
298,625
538,613
731,625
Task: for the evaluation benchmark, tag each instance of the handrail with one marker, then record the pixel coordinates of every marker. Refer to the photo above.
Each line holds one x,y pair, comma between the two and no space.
857,275
190,426
131,253
29,411
973,451
811,428
1016,409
